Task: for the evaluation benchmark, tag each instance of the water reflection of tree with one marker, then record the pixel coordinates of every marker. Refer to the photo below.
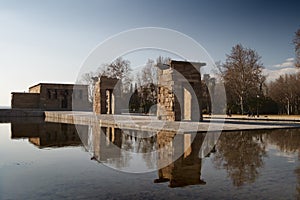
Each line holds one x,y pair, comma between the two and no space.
241,154
141,142
297,172
287,140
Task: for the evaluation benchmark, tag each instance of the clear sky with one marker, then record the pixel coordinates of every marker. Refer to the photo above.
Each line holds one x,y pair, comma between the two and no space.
47,41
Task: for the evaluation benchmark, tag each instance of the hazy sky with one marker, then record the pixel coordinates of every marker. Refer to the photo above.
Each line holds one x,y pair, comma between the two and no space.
47,41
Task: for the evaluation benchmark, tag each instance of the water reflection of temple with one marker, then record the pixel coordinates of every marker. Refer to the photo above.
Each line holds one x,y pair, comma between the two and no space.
185,170
106,143
175,155
241,154
113,146
47,134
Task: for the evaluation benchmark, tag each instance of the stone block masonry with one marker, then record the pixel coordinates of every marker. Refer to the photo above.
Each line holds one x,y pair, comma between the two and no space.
25,100
53,96
179,91
107,96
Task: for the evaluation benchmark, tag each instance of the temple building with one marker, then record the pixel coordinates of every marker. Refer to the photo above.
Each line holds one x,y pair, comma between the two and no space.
107,97
179,91
52,96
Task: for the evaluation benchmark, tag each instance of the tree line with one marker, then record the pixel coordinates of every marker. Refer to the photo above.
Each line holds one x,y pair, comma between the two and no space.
246,87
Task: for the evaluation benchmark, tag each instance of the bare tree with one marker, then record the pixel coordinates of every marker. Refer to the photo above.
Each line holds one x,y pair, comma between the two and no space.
146,81
120,69
163,60
296,42
285,92
147,84
149,73
243,77
87,79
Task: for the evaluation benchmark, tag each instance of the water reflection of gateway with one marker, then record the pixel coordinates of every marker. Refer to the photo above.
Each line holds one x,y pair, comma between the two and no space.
186,170
113,146
178,163
106,145
48,134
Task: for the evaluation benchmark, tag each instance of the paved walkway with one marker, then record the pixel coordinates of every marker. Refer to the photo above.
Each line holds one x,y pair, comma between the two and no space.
151,123
261,117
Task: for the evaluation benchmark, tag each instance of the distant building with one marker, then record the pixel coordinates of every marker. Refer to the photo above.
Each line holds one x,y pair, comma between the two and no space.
52,96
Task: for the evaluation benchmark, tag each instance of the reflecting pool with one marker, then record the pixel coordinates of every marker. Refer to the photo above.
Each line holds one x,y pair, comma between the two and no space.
42,160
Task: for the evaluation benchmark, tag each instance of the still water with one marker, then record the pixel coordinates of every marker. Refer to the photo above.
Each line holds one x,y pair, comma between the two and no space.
41,160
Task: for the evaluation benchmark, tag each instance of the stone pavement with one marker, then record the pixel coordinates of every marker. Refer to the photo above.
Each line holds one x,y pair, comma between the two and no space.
260,118
151,123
